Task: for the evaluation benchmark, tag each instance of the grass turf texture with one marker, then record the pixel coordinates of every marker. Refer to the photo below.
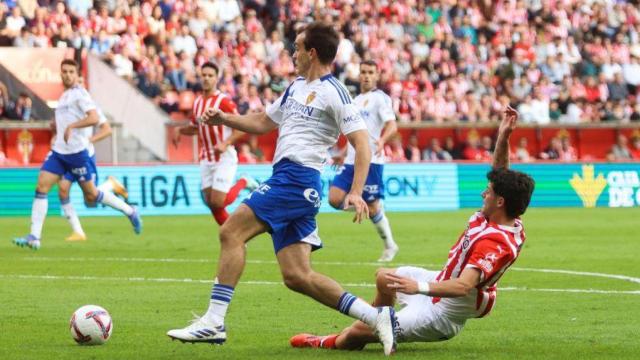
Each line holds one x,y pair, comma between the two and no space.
524,324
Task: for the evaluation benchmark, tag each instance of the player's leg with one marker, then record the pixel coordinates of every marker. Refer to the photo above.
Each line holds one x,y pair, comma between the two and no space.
39,209
64,187
340,186
92,195
373,194
356,336
381,223
294,261
241,227
113,185
223,191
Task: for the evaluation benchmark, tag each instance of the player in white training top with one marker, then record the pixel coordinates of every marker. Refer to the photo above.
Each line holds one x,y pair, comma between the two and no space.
437,304
64,185
310,116
377,111
75,112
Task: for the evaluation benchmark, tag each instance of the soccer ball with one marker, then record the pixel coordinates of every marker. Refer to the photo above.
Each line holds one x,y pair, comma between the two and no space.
91,325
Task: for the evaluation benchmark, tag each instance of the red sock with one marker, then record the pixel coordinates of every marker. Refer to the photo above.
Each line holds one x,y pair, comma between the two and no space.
220,215
328,342
234,191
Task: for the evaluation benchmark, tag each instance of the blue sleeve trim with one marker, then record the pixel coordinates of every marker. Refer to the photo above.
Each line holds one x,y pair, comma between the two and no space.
344,95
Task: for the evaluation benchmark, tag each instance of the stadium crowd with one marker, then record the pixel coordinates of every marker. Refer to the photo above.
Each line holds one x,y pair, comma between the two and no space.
565,62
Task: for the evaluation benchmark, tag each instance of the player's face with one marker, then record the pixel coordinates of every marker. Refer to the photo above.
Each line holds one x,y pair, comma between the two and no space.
491,201
69,75
368,77
301,56
209,79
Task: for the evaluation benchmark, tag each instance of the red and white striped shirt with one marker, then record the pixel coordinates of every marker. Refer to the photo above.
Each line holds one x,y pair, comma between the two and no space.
488,247
210,135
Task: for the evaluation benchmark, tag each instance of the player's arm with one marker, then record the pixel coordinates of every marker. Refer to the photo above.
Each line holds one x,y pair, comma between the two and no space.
91,119
507,125
390,129
254,123
359,139
104,131
458,287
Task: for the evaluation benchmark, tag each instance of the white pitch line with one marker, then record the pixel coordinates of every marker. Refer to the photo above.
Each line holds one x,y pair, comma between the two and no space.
337,263
271,283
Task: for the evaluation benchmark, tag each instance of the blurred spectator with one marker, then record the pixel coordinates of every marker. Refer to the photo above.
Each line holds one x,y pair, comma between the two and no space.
21,110
522,153
255,149
635,148
617,88
412,151
245,156
475,150
553,151
451,148
619,150
568,152
435,152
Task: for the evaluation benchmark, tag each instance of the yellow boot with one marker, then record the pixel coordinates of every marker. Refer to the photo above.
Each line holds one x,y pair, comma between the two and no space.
76,237
118,188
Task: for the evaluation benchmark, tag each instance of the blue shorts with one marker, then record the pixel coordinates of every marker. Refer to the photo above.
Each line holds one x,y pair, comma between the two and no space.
288,202
373,187
93,171
78,165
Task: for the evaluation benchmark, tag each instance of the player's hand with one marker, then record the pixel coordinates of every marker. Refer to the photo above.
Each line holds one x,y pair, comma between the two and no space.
379,147
221,147
213,117
402,284
175,139
67,133
357,202
509,120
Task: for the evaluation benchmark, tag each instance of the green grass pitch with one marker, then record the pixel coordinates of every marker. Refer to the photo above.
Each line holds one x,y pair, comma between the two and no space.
151,283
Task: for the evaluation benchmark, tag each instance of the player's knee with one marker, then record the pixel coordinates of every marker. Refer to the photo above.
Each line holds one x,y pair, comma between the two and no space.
216,203
228,236
63,194
373,209
295,280
335,200
90,198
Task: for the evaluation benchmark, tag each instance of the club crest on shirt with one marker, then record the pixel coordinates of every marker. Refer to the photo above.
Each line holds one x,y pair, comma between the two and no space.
365,103
310,98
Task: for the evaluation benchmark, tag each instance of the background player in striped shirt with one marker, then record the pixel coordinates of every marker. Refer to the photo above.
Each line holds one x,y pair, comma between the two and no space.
75,112
437,304
218,157
377,112
310,116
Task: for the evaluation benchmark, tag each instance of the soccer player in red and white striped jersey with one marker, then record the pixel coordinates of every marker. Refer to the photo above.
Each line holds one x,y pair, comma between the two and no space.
218,157
437,304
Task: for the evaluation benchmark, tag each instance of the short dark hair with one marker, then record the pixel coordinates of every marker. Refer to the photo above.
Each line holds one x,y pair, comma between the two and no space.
324,38
211,65
69,62
515,187
369,63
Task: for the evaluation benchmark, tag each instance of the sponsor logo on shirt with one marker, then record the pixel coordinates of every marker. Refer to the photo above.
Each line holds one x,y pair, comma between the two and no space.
293,106
349,119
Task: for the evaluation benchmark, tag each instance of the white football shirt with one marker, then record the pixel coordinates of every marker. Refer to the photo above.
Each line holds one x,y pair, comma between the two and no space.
74,104
310,117
376,110
92,129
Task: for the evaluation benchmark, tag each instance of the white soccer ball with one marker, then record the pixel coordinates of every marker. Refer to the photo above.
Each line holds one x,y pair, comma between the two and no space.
91,325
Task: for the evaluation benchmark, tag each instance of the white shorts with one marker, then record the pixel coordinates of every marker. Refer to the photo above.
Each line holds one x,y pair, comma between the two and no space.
218,176
419,319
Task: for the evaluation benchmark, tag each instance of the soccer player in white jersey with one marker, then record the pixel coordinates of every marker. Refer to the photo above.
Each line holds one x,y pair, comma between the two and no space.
64,185
377,111
310,115
218,156
438,304
75,112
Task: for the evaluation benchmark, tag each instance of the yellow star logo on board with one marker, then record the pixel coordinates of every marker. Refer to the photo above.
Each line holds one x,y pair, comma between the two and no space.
588,187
